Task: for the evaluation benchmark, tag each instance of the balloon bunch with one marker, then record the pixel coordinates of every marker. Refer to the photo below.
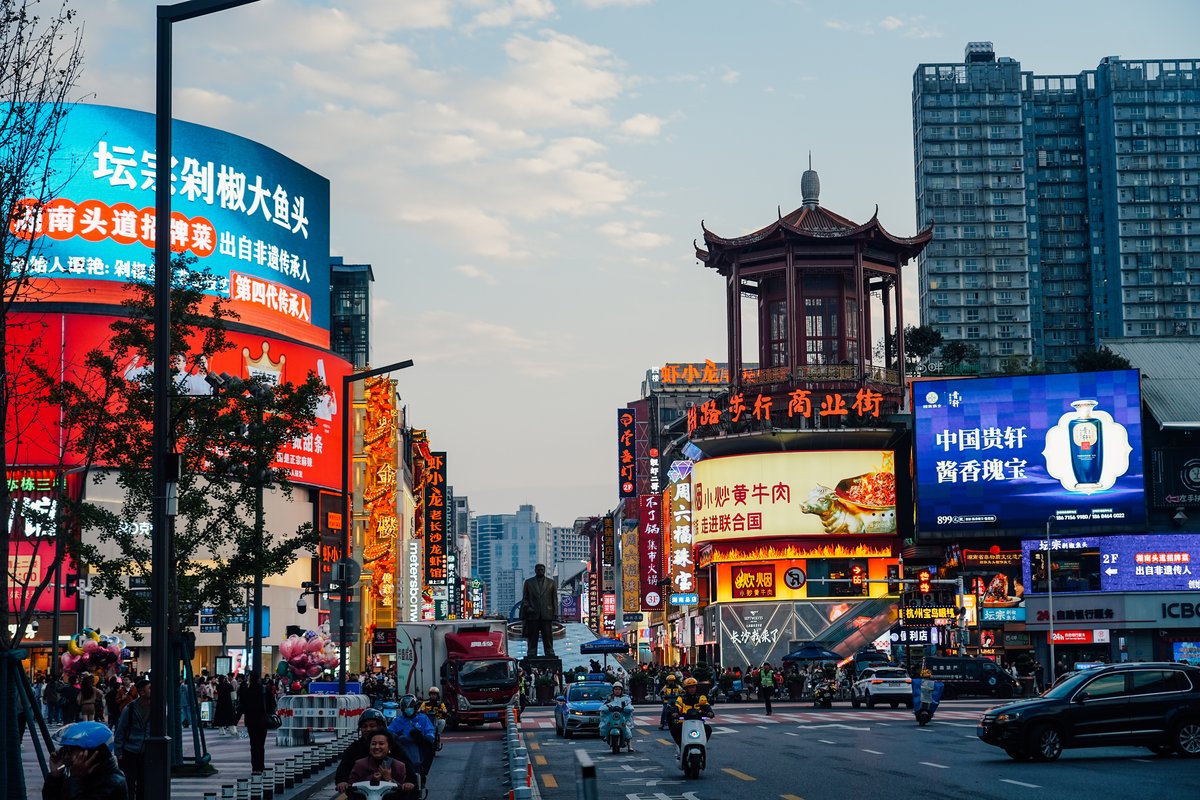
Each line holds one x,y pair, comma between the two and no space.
307,656
92,651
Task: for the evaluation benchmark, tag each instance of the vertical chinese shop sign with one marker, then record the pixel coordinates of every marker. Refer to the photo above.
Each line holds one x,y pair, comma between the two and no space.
379,500
682,569
650,535
626,458
435,519
630,584
608,555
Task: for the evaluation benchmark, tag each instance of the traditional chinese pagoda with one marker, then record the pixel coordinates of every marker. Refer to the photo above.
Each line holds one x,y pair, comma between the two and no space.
820,282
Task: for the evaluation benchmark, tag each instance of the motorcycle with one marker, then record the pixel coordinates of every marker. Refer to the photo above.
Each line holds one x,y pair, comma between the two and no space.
373,790
823,694
615,726
693,748
927,693
389,709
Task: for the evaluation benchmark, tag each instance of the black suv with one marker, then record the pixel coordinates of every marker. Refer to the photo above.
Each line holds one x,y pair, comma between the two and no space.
1152,705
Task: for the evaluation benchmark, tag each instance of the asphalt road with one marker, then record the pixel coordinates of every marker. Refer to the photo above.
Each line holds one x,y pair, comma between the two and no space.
803,753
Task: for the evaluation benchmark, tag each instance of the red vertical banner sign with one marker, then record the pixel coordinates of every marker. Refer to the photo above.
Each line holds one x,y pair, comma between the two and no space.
626,456
683,570
608,555
435,519
650,538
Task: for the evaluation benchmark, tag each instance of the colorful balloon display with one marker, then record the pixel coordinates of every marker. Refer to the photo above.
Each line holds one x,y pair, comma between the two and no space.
95,652
307,656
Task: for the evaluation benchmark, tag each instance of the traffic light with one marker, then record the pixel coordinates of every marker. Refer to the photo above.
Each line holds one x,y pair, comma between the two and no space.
70,584
924,582
857,577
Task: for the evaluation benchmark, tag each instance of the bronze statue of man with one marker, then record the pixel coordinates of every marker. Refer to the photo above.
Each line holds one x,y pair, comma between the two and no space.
539,608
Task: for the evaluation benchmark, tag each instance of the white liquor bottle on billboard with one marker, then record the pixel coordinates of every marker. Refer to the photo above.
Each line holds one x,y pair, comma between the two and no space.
1087,446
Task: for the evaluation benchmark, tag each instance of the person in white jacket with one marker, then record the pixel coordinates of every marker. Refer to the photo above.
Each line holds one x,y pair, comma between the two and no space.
618,699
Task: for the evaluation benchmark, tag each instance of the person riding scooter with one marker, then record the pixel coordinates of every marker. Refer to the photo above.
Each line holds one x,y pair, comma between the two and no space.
618,700
437,712
378,773
415,733
927,693
370,722
670,693
691,701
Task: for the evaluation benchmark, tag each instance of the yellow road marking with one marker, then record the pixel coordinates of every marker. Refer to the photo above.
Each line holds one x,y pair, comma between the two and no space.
740,775
534,746
667,742
790,797
549,781
539,760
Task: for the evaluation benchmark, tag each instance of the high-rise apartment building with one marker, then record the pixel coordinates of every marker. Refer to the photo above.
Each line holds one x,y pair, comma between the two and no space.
506,548
350,311
1065,206
464,539
567,545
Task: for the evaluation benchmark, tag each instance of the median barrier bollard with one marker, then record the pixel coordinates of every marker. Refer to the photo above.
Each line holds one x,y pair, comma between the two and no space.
586,787
521,793
268,779
280,778
227,792
210,796
243,789
289,780
256,786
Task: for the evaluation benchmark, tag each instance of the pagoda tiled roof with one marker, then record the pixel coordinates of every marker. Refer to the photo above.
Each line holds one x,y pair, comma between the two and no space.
814,222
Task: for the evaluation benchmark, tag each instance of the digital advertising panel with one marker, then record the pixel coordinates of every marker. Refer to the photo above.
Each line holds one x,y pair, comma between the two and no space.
435,519
1010,453
650,539
255,220
313,460
994,576
1155,562
36,518
626,458
795,494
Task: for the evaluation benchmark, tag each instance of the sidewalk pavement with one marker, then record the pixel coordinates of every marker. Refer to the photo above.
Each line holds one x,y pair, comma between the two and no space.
230,756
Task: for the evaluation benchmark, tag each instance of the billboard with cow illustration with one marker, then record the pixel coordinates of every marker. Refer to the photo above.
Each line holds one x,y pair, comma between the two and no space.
812,493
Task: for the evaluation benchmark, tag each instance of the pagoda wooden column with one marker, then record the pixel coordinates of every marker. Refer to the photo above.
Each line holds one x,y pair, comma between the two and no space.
793,319
858,291
899,329
887,326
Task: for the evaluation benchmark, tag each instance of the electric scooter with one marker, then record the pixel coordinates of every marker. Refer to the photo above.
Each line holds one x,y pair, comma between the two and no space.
927,693
373,790
693,747
614,726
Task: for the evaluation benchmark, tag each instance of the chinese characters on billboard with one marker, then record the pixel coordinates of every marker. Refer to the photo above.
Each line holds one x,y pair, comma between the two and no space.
791,494
381,538
650,536
255,220
752,581
1070,450
626,457
1159,562
435,519
630,585
608,553
797,404
36,516
994,577
680,539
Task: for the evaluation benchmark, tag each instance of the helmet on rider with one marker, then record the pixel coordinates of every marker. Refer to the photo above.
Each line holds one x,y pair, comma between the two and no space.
409,706
671,678
689,683
372,715
85,736
433,690
618,685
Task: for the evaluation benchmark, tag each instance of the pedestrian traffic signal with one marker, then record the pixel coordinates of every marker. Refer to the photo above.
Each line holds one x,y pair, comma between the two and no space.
70,584
858,577
924,581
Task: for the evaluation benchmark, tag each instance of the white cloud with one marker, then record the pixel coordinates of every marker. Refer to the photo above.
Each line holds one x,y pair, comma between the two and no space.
452,339
612,3
501,15
631,236
891,23
476,274
643,125
909,29
730,76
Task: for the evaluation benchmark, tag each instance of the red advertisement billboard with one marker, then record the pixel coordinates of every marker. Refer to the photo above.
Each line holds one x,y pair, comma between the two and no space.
62,341
626,457
36,519
650,550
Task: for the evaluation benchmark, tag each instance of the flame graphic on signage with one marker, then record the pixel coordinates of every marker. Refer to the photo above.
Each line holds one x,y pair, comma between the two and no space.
733,552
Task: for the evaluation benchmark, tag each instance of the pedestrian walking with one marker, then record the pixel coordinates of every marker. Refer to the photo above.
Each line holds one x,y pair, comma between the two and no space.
133,729
68,698
255,703
89,698
50,698
224,717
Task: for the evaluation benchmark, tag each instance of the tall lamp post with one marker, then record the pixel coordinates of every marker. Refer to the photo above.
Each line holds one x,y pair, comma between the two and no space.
343,592
1050,598
164,466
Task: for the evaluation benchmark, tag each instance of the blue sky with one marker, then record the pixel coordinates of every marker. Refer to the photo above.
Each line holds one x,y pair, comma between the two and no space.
527,176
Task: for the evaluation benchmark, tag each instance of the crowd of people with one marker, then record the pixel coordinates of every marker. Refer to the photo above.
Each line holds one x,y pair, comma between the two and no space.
100,731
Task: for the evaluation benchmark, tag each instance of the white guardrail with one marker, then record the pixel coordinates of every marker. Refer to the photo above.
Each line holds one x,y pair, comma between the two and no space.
302,714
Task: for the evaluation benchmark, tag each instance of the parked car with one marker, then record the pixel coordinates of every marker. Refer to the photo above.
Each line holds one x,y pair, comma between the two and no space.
967,675
578,710
1154,705
889,685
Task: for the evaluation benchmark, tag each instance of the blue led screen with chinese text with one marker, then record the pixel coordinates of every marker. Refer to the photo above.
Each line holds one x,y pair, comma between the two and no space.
258,221
1006,454
1151,562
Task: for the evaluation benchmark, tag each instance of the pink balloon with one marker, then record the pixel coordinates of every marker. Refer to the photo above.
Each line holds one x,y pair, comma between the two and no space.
285,648
91,645
66,659
314,646
314,672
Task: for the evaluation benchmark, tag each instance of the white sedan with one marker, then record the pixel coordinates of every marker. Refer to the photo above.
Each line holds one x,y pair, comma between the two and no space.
882,684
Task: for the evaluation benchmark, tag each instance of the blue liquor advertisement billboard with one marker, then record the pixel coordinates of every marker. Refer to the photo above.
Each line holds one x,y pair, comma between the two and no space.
257,221
1009,453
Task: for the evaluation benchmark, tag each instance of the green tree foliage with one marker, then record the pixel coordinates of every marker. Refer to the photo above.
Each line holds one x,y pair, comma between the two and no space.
226,442
1022,365
920,342
957,354
1101,360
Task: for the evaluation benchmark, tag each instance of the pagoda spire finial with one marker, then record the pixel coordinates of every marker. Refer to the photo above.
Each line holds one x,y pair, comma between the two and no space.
810,185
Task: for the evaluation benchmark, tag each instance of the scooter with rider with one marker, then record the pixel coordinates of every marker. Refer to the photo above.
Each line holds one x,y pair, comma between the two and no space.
616,720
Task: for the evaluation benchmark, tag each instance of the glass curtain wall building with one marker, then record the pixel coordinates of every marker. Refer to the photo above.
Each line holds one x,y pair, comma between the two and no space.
350,311
1065,207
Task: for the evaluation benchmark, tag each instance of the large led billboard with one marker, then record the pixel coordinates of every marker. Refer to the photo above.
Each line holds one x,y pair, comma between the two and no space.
61,342
1010,453
1152,562
256,220
811,493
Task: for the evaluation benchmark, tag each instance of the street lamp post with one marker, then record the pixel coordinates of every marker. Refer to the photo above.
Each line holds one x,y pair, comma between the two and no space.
1050,597
158,744
343,592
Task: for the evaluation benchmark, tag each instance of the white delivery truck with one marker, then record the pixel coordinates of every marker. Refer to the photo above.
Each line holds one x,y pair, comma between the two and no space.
468,659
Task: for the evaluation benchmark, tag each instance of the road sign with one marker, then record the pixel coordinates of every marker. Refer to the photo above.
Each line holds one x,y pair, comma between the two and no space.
794,578
632,617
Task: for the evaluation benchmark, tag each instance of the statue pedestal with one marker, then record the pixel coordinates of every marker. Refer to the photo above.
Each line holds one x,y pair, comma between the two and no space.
542,664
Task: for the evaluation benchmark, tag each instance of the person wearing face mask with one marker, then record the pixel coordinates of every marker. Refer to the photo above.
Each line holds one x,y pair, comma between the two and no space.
415,733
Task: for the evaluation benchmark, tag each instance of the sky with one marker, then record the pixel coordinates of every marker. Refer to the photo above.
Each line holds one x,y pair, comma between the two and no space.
527,177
